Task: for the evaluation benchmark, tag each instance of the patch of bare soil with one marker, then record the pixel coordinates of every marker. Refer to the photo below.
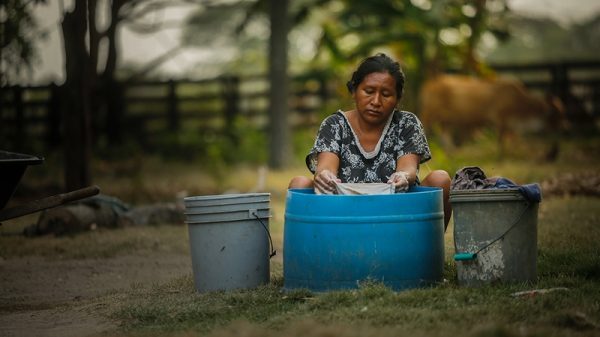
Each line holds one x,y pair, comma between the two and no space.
44,297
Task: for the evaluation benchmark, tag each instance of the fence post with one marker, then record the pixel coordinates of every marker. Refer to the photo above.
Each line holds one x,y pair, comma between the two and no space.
560,81
2,110
19,117
173,113
596,99
231,96
113,125
53,115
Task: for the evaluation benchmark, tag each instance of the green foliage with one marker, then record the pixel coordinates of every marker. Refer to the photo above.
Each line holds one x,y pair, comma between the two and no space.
426,36
18,34
241,143
183,145
251,146
302,142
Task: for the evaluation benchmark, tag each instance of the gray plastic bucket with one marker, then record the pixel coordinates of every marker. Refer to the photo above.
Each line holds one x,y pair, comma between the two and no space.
495,236
229,240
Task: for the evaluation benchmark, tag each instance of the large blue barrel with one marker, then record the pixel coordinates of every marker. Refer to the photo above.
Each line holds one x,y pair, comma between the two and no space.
337,241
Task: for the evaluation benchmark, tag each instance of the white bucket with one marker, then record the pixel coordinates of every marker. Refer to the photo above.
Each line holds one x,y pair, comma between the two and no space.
495,236
229,240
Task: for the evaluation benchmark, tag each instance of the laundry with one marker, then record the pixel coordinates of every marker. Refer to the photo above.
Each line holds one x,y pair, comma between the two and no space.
473,178
364,188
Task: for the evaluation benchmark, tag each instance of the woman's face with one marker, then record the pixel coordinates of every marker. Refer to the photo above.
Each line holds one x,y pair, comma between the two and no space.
375,97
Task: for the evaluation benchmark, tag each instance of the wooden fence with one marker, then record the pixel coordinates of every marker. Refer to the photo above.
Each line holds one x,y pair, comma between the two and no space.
32,114
30,117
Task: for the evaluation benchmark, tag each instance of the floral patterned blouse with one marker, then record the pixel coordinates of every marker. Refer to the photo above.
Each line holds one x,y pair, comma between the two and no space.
403,134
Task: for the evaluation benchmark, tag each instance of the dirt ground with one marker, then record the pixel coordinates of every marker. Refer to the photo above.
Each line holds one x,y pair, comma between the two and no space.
43,297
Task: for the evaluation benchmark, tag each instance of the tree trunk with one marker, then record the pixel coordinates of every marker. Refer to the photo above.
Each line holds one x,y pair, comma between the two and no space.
77,125
279,129
112,91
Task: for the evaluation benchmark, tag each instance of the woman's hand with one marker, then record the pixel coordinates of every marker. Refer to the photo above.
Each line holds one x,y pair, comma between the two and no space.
399,180
325,182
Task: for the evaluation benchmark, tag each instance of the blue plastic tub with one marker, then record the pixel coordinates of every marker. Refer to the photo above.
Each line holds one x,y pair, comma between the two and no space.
336,242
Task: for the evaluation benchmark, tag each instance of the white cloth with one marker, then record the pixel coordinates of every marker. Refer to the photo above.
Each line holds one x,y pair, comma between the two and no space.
364,188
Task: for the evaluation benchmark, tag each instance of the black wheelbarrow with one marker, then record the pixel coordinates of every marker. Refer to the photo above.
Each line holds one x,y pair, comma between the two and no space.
12,168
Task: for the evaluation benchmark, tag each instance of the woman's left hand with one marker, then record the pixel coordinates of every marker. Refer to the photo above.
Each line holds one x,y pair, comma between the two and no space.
399,180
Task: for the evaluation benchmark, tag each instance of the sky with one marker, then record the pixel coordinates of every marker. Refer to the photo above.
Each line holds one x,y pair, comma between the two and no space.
142,49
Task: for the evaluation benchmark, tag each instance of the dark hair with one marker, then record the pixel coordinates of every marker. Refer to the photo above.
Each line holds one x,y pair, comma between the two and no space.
380,63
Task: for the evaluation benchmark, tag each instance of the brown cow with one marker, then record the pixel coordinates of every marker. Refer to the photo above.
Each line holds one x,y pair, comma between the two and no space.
455,107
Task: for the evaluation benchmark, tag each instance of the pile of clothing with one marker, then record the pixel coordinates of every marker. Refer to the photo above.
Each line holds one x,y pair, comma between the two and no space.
473,178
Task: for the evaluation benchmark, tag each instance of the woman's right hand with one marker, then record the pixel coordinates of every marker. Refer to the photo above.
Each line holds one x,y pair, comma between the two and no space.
325,182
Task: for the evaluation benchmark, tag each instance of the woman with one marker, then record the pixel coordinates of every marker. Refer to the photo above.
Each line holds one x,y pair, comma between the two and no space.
374,142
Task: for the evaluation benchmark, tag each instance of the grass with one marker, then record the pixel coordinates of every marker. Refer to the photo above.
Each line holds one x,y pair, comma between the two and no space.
568,257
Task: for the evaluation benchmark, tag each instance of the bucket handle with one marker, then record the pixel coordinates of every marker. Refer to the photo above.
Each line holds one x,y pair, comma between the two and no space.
466,256
273,251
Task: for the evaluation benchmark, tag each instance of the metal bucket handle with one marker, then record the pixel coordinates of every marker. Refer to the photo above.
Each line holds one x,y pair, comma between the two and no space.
466,256
273,251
